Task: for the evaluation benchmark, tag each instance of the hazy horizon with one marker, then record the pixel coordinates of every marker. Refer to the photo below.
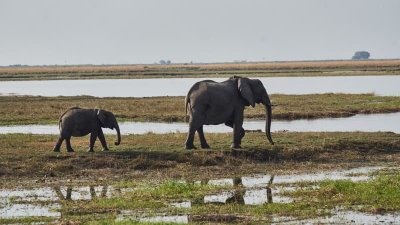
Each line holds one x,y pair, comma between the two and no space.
46,32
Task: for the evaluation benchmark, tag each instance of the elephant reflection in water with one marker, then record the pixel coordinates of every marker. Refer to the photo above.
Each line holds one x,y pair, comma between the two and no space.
239,194
92,191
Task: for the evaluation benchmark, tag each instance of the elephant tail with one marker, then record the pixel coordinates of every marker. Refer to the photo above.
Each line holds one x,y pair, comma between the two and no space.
187,104
59,120
59,124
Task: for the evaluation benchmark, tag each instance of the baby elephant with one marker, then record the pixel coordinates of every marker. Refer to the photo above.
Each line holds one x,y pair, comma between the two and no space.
78,122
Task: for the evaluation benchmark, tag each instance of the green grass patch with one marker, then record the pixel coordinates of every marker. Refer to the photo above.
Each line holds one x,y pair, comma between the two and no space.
47,110
381,194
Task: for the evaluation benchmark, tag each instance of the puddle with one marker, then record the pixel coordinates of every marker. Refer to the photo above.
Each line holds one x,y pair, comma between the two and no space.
380,85
44,202
128,215
13,211
344,217
248,190
249,197
221,182
219,198
258,189
256,181
357,174
257,197
166,219
182,204
364,123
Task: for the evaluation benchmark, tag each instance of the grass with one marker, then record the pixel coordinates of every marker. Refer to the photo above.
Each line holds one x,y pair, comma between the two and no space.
151,200
46,110
31,156
305,68
375,196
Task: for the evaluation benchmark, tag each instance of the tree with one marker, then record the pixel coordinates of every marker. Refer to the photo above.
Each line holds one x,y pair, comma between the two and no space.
361,55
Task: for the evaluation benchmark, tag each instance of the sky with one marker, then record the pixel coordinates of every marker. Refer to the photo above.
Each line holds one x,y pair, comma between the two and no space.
48,32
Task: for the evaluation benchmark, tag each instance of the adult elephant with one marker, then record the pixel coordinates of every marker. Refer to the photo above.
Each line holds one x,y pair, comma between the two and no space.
78,122
210,103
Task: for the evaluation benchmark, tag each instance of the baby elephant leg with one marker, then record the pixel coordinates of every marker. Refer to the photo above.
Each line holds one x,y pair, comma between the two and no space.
93,137
103,140
58,144
68,143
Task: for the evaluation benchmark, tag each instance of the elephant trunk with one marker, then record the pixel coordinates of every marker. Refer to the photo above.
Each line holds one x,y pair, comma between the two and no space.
268,117
118,141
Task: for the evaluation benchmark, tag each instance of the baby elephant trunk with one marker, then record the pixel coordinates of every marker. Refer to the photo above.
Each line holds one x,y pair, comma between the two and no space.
118,141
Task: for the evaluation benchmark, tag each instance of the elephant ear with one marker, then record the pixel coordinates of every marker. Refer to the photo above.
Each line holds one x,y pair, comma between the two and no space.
102,117
245,91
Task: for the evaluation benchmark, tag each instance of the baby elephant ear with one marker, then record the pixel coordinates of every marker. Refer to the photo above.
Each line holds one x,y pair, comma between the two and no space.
102,116
245,91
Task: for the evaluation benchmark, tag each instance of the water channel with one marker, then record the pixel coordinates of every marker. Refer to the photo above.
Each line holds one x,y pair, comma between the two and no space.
380,85
388,122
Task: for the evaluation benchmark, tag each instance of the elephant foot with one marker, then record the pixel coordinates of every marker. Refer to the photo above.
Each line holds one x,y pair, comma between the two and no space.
90,150
205,146
234,146
189,147
56,149
106,149
70,150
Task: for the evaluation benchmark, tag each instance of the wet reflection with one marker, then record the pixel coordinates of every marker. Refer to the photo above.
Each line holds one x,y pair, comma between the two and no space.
44,202
244,190
83,193
248,197
129,215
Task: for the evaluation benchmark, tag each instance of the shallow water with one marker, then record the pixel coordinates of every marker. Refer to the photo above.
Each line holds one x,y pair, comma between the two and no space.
258,189
380,85
44,202
367,123
344,217
128,215
29,210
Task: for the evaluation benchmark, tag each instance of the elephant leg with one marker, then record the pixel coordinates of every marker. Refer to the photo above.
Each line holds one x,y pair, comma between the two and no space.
242,131
93,137
58,144
203,141
194,125
103,140
68,143
190,138
237,128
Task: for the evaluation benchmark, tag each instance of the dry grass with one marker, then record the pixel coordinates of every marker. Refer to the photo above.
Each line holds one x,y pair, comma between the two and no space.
305,68
41,110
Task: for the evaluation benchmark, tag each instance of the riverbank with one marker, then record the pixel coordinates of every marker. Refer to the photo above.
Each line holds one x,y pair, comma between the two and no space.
151,177
30,156
17,110
253,69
